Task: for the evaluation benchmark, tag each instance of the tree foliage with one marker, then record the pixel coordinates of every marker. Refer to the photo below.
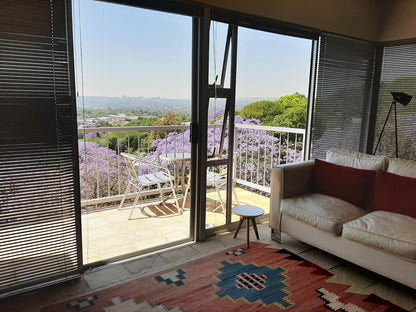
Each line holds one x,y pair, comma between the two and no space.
168,119
142,121
288,111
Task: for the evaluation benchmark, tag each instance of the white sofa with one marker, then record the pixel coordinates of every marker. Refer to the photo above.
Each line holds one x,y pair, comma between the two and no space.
381,241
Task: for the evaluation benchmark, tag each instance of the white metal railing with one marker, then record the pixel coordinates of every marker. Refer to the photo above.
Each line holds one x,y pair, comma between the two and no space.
257,149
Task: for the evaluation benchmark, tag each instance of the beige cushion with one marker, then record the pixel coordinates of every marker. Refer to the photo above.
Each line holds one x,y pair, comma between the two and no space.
391,232
402,167
325,212
350,158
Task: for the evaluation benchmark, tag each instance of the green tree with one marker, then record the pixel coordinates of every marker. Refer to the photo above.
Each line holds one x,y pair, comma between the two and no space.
168,119
142,121
288,111
261,110
294,112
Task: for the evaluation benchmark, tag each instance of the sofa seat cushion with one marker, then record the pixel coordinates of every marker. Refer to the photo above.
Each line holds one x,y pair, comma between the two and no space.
388,231
322,211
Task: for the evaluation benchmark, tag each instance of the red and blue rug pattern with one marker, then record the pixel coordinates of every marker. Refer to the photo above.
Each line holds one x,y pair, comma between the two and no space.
259,279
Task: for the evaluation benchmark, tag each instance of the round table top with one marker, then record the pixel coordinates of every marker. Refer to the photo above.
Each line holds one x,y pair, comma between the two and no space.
248,211
176,156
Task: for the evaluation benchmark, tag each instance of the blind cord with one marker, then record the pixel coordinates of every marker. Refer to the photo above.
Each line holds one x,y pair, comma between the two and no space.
80,77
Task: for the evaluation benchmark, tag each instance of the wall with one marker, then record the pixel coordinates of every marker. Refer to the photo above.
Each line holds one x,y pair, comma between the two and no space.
356,18
400,21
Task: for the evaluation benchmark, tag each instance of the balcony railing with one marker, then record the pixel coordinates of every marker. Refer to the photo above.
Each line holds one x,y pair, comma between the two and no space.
257,149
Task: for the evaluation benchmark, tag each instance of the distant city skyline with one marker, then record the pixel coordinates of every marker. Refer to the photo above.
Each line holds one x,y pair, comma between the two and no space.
144,53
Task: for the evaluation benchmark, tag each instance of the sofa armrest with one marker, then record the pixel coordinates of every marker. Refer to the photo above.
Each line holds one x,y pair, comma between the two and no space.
288,180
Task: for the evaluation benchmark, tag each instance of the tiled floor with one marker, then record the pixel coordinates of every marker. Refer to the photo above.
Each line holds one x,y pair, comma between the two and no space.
109,233
361,281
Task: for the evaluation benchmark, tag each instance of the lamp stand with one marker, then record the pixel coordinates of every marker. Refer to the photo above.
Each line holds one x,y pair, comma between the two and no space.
392,106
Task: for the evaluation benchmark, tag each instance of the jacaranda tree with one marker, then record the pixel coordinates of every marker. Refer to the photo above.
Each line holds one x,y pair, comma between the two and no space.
103,173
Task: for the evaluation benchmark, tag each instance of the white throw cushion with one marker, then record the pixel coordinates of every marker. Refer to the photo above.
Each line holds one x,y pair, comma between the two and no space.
389,231
402,167
350,158
322,211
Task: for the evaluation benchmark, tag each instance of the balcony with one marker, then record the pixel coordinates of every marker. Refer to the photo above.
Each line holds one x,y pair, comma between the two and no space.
107,232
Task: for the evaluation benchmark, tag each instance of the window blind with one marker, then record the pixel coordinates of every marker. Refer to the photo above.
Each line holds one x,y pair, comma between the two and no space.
398,74
342,104
39,184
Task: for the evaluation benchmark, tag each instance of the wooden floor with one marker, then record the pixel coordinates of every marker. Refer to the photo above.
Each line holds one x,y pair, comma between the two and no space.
107,234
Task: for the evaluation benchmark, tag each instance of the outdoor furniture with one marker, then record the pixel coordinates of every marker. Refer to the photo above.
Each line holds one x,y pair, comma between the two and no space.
179,159
248,213
219,181
160,176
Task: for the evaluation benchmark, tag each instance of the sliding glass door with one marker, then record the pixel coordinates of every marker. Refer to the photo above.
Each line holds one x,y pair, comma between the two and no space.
256,115
134,87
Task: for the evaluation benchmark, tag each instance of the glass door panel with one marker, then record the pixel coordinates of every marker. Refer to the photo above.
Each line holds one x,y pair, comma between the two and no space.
134,86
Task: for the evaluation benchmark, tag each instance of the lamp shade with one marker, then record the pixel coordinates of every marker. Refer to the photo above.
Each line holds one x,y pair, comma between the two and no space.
401,97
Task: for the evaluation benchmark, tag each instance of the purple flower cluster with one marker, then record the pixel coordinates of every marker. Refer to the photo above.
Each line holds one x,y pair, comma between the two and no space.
102,172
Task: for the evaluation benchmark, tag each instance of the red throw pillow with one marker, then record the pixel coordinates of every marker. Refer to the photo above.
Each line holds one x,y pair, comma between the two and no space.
353,185
395,193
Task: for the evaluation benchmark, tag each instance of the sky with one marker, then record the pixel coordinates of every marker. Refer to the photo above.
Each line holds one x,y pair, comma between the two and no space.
127,51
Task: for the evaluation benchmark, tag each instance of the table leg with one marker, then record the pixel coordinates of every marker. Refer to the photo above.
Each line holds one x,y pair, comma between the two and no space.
253,220
238,226
248,233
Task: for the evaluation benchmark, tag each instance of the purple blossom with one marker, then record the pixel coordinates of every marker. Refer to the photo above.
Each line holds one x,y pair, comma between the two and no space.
102,173
91,135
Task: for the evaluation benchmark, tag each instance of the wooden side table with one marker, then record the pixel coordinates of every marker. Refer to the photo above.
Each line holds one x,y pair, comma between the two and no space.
248,213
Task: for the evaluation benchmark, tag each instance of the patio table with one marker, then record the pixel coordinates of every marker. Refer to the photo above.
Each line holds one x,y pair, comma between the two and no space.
179,160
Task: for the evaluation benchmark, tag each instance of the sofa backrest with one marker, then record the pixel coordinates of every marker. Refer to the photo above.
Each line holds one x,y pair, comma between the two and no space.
403,167
350,158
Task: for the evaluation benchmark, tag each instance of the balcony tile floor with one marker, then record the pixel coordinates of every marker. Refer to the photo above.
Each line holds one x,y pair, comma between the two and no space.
361,280
109,233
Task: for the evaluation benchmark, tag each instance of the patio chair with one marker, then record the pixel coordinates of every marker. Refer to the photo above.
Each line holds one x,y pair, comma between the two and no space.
162,175
219,181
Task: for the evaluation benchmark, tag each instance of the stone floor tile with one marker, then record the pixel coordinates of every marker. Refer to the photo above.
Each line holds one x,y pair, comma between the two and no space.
72,288
349,274
210,246
396,293
144,265
227,239
321,258
179,254
105,276
294,245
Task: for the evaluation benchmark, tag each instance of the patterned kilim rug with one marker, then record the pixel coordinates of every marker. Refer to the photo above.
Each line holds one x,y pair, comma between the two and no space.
259,279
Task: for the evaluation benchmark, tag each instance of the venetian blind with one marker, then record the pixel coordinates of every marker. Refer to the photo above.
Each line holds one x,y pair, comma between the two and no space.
39,188
398,75
344,80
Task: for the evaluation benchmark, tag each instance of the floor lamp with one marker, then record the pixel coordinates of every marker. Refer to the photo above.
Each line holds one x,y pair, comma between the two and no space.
398,97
